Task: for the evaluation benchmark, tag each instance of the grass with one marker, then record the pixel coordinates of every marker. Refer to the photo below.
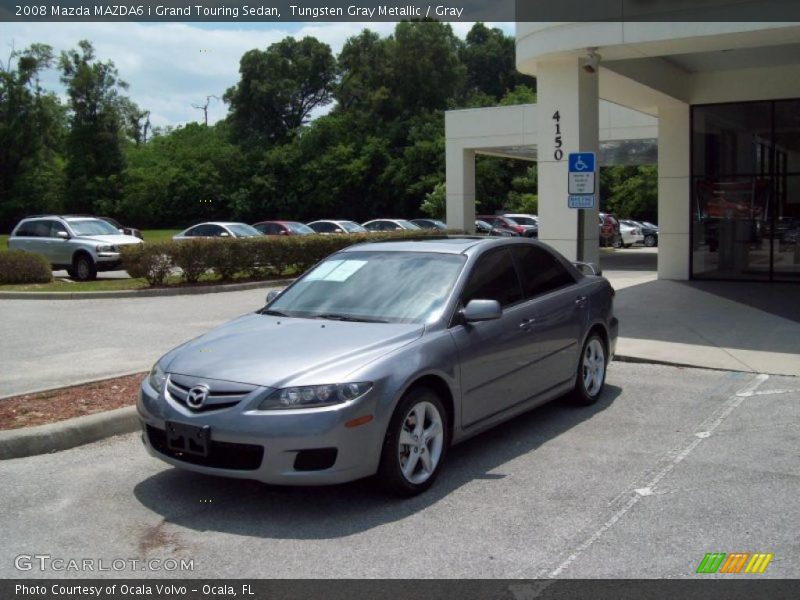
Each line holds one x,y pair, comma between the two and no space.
108,285
159,235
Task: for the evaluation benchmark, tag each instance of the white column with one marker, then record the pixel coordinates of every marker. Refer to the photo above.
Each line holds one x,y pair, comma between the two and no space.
564,87
460,168
674,191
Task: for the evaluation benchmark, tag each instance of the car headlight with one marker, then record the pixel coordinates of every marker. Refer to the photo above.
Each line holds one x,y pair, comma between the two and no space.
157,378
312,396
106,248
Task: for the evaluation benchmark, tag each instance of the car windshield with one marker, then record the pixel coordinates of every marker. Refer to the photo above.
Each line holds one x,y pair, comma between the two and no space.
351,227
649,225
398,287
92,227
407,224
524,220
299,227
242,230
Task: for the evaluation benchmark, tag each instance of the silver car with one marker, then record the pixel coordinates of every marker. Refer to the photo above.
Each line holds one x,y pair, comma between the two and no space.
380,358
223,229
81,245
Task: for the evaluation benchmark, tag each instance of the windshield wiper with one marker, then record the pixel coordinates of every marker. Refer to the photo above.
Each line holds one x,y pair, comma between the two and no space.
338,317
272,313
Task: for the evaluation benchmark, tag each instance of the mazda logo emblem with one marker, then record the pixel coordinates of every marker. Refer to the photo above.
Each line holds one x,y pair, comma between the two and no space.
197,396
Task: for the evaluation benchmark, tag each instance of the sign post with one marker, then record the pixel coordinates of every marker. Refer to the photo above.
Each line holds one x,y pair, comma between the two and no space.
581,183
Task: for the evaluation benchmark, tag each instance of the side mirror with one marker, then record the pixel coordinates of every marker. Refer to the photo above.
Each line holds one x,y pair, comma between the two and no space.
224,234
481,310
283,232
272,294
121,230
588,268
62,234
338,231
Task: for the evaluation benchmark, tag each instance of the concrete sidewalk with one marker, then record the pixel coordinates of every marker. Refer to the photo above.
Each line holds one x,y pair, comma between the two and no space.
751,327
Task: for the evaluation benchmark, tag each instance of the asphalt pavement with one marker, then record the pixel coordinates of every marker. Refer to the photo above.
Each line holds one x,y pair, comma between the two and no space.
670,464
54,343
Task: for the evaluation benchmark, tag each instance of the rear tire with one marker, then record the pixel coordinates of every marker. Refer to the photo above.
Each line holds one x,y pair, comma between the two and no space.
591,376
83,268
650,241
415,445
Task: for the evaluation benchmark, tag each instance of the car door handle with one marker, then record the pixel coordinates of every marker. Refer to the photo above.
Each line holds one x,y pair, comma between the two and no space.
526,324
581,301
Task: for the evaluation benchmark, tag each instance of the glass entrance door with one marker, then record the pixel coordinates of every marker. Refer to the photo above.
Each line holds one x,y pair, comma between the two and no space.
746,191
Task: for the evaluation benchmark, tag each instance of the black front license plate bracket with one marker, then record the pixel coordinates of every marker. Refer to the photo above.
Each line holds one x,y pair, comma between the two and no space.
189,439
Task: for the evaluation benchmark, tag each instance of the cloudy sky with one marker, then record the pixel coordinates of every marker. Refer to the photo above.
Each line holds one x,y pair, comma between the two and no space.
171,66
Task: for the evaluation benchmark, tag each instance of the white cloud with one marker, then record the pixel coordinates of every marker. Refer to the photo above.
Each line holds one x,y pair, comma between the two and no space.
171,66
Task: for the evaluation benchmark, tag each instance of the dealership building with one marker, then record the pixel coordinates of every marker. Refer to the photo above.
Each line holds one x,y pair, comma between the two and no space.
715,105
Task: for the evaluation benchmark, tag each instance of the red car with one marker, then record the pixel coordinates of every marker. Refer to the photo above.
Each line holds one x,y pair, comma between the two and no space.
507,224
283,228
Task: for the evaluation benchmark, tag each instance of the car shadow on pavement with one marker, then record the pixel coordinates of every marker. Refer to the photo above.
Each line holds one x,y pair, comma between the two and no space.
249,508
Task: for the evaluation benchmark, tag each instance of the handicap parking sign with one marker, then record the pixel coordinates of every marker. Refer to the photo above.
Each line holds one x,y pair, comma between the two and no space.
581,173
581,162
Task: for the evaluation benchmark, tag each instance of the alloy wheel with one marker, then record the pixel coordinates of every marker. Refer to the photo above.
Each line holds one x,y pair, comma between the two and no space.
594,366
420,442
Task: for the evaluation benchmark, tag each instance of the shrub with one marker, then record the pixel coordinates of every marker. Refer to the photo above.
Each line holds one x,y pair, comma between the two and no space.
228,257
18,266
151,261
254,257
192,256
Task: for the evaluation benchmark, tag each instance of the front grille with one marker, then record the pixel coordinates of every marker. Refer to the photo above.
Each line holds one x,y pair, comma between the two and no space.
222,394
221,455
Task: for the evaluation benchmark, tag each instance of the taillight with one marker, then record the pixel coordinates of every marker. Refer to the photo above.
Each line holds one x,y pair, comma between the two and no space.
519,229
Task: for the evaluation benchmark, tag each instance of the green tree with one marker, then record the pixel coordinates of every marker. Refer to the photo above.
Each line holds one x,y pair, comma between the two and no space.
630,192
279,87
95,159
435,203
32,123
426,70
489,56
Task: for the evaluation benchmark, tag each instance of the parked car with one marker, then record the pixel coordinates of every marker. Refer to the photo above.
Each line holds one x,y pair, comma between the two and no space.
81,245
390,225
484,228
430,224
283,228
525,220
327,227
380,358
509,224
122,229
630,234
649,232
223,229
609,230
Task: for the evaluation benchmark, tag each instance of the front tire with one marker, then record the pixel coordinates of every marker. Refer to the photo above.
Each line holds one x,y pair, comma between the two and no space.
591,376
415,445
83,268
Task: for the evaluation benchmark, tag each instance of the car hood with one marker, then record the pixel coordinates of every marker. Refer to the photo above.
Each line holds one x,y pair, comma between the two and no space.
113,239
278,351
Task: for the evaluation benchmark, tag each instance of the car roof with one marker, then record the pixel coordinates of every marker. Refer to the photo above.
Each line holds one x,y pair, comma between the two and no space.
446,244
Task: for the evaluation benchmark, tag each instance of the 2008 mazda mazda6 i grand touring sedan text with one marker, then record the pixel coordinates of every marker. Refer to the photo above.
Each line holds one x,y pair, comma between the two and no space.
378,359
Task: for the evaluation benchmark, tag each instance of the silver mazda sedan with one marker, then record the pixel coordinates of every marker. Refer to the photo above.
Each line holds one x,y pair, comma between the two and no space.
380,358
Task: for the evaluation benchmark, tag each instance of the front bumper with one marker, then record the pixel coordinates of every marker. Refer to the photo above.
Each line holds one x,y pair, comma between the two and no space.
272,447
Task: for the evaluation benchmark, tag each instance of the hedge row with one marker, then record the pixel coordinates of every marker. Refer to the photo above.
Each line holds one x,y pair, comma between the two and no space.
18,266
268,256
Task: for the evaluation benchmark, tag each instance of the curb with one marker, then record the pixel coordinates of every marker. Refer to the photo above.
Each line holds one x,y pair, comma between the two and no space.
146,292
62,435
143,370
669,363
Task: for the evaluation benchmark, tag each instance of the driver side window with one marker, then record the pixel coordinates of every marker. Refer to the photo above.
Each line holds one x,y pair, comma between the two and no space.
494,278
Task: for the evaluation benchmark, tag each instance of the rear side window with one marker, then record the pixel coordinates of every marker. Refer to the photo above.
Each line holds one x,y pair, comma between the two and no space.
26,229
540,271
494,278
323,227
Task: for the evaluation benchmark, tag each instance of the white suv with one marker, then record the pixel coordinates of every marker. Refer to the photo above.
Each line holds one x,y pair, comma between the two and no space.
81,245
